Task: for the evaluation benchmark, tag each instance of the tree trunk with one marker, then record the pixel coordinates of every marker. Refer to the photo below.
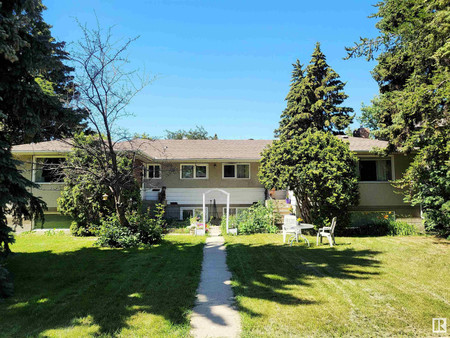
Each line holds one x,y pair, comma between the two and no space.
7,250
120,210
305,208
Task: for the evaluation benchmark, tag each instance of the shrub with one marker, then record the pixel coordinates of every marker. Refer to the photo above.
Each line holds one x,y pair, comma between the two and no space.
148,229
176,223
399,228
6,283
256,219
376,224
143,230
112,234
232,223
82,197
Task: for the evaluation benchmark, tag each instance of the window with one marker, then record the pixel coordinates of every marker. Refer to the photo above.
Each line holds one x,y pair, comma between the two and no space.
153,171
188,212
48,170
375,170
233,211
194,171
236,170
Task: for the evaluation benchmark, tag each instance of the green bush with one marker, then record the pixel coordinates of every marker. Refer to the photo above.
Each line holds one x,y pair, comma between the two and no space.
6,283
320,170
83,195
399,228
256,219
78,229
232,223
143,230
376,224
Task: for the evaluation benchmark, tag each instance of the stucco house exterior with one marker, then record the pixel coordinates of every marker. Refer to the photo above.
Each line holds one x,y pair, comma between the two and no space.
180,171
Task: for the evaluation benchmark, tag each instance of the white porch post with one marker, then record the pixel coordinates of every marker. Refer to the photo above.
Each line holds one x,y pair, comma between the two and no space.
228,208
204,212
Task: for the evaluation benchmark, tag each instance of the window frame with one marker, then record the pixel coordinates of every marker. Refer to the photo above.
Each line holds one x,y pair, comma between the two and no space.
235,171
224,210
147,175
195,165
34,169
372,158
193,211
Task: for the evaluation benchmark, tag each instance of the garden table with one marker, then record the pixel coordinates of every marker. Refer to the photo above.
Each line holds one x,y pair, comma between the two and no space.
298,231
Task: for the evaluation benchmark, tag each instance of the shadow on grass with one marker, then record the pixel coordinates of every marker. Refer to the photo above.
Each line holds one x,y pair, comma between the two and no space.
101,288
268,271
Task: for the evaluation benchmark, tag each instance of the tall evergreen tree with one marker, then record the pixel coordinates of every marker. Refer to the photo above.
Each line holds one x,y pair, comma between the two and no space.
412,112
314,99
15,198
35,94
36,87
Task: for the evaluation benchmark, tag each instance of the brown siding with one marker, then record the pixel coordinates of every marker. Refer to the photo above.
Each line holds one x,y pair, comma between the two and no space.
171,177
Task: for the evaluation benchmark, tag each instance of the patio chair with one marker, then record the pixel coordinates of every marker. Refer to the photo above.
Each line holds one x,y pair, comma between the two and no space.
289,226
327,232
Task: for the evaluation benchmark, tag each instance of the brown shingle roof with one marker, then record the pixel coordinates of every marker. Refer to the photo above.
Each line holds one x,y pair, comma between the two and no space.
199,149
55,146
194,149
360,144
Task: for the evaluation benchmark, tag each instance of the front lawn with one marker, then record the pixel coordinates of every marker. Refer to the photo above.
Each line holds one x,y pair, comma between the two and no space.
372,286
64,286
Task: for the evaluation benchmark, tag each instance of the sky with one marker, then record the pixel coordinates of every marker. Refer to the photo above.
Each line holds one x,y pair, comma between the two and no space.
225,65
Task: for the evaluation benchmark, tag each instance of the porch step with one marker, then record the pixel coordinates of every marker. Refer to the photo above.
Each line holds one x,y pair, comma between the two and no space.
281,207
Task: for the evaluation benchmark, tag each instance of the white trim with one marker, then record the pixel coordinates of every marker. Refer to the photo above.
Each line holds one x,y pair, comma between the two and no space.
392,167
148,171
34,169
204,203
235,171
193,196
193,211
195,171
237,208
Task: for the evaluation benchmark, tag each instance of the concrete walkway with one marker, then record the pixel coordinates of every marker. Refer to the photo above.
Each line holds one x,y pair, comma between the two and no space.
214,314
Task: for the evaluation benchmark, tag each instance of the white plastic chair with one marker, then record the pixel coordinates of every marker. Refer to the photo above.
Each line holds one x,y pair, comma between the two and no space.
327,232
290,226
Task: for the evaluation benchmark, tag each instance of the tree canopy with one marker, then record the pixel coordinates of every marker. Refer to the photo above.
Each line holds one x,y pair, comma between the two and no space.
314,99
36,86
197,133
320,170
86,181
106,86
413,73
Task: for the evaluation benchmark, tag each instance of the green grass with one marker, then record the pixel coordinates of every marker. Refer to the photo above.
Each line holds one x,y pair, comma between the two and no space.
64,286
55,221
372,286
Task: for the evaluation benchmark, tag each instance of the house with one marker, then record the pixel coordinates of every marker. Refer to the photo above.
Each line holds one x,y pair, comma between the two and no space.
180,171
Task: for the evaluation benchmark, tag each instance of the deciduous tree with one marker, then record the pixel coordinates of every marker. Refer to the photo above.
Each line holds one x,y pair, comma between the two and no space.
198,133
106,86
320,170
